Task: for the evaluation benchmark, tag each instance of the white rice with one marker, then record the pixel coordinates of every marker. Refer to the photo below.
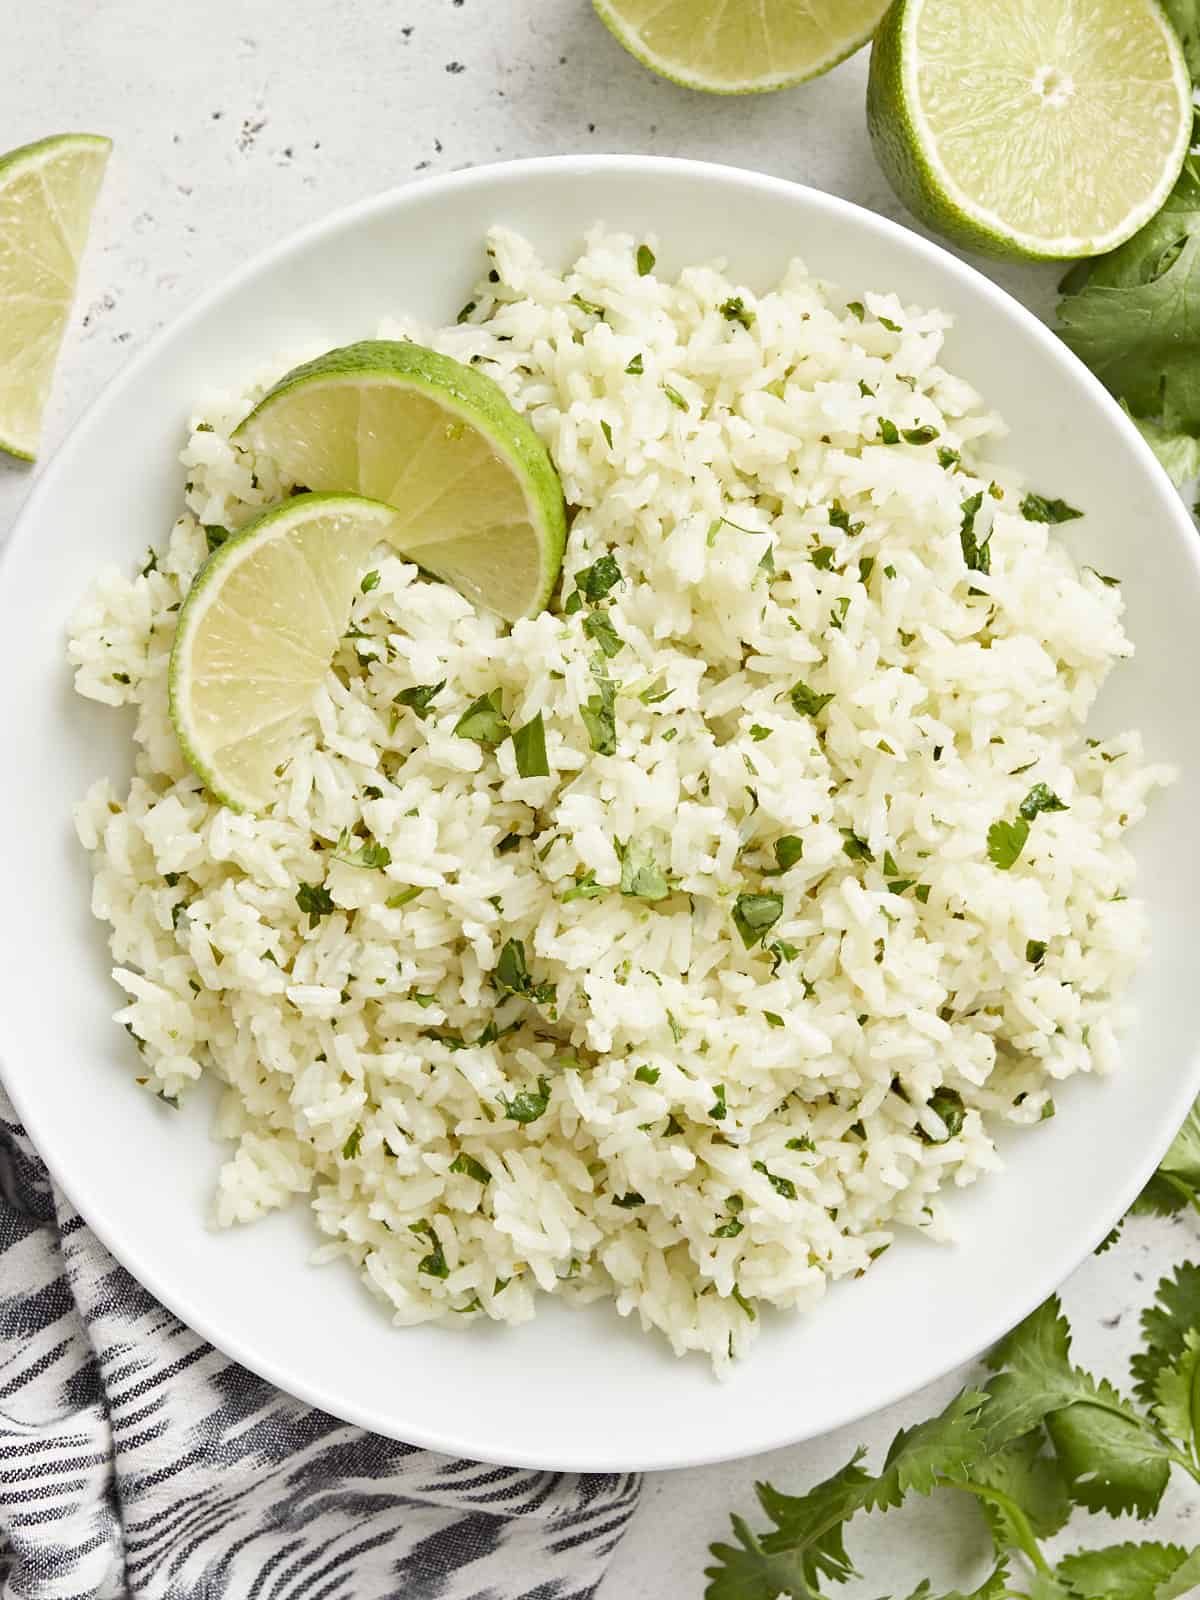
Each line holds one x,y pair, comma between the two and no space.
347,1041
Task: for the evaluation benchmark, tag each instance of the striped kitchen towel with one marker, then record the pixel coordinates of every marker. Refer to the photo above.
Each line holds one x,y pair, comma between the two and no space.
135,1460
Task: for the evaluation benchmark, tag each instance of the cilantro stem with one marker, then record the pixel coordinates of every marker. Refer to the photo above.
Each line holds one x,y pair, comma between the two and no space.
1020,1522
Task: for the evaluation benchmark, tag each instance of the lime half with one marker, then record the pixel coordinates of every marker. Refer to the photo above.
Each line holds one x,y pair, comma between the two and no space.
47,191
257,633
1033,128
477,499
732,47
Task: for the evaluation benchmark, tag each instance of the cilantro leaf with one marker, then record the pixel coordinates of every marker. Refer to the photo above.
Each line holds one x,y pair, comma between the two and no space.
599,712
1040,798
1026,1478
1131,1572
1135,322
1165,1326
470,1168
511,975
1035,508
645,260
754,915
1109,1456
735,310
484,721
1176,1184
351,1147
418,698
594,582
1177,1393
585,888
315,900
1005,841
977,557
529,747
641,875
528,1105
788,851
1178,452
807,701
599,629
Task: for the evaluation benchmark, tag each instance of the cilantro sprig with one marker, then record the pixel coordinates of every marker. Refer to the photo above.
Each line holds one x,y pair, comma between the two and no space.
1042,1437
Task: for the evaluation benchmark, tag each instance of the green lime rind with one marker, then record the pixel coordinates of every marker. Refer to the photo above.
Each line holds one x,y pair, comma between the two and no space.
905,153
628,39
464,393
325,625
13,163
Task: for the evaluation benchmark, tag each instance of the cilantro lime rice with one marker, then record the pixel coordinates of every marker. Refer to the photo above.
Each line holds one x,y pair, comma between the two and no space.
687,941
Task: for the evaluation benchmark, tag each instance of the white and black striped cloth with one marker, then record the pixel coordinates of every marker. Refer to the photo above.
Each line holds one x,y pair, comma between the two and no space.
135,1460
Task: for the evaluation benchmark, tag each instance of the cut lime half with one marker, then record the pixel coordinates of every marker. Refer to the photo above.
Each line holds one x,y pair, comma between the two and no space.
257,633
733,47
477,499
47,192
1032,128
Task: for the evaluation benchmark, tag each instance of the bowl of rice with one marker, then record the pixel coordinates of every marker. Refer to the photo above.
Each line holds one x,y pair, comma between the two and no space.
814,1006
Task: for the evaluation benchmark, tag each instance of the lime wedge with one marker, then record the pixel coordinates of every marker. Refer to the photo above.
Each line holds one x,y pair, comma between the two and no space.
1043,129
47,191
477,498
731,47
257,633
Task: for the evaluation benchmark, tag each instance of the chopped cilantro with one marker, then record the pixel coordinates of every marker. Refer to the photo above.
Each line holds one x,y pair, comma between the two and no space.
484,721
214,535
352,1145
606,430
599,629
856,848
528,1105
925,434
641,876
418,699
822,557
718,1111
599,712
1005,841
947,458
529,747
754,915
807,701
1035,952
370,580
889,433
781,1186
976,556
648,1074
315,901
734,310
1035,508
585,888
674,396
948,1106
630,1201
402,897
470,1168
645,260
589,306
594,582
636,366
866,566
788,850
1040,798
758,733
856,309
774,1020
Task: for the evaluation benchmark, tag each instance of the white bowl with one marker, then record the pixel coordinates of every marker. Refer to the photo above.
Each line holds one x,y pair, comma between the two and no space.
576,1388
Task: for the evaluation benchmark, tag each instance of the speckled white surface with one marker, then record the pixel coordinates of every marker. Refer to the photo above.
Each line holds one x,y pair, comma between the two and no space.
238,121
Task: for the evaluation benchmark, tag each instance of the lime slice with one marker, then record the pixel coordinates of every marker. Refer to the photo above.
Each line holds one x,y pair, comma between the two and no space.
257,633
47,191
731,47
1032,128
477,498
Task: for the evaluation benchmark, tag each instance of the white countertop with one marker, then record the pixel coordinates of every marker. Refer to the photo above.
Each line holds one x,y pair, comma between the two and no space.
238,121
